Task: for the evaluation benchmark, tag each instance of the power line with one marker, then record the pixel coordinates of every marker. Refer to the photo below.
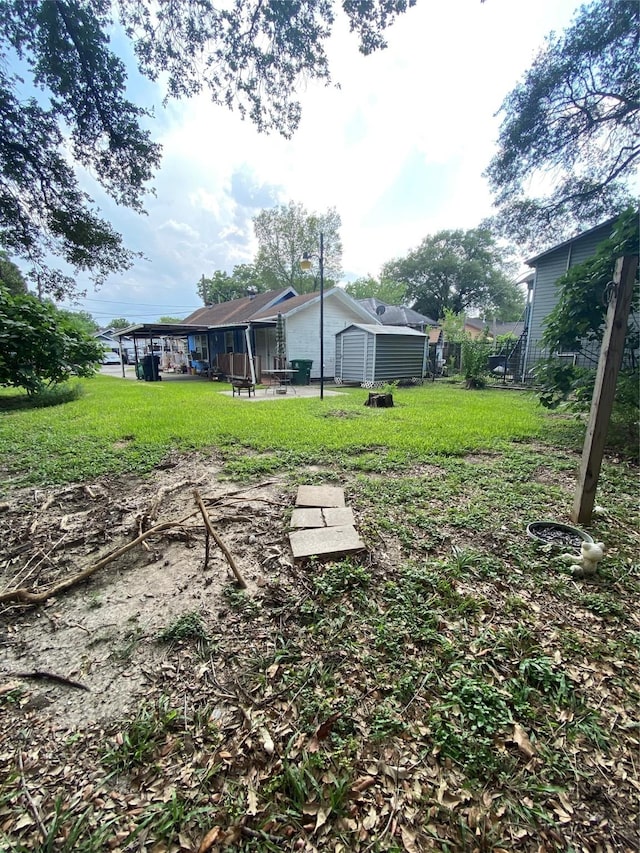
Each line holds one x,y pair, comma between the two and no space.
140,304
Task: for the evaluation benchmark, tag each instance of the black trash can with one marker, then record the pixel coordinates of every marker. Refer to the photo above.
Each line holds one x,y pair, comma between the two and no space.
151,368
302,367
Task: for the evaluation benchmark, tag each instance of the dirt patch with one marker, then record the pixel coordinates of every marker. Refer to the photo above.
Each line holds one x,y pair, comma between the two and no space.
104,633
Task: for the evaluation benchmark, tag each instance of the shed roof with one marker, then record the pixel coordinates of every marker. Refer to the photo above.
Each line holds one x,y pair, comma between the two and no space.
385,330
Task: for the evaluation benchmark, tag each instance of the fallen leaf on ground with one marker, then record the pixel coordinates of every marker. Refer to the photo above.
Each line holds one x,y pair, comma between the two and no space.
521,738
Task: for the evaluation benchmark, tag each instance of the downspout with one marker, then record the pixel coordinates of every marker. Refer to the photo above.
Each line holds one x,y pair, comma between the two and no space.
425,356
247,335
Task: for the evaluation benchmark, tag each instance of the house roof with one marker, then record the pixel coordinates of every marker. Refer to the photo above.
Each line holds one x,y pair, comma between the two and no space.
285,307
515,329
475,322
532,261
395,315
385,330
238,311
299,303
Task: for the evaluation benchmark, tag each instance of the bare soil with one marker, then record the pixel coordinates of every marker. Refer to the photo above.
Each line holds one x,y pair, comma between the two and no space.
103,634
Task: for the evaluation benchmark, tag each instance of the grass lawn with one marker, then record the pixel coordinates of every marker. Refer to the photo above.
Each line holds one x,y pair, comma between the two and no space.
456,689
119,426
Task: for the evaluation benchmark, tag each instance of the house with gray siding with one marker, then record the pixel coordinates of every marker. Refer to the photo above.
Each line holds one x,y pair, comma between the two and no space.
548,267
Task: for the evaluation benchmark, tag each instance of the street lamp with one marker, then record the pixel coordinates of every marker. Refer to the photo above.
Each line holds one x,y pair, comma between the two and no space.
305,264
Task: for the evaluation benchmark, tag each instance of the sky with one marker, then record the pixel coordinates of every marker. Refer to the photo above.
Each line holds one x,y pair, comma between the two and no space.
399,150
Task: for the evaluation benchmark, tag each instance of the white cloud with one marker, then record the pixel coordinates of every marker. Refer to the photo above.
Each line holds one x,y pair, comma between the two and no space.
425,107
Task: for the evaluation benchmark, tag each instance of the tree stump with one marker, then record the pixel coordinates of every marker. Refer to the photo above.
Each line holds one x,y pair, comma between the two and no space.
380,401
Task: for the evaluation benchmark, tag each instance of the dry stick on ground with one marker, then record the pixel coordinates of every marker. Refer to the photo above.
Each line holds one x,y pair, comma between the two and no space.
236,571
28,597
224,497
34,808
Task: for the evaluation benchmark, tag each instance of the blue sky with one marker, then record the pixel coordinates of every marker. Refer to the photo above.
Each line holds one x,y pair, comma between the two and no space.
399,150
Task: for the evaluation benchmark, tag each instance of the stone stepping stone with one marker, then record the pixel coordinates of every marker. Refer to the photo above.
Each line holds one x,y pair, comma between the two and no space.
317,517
322,496
325,541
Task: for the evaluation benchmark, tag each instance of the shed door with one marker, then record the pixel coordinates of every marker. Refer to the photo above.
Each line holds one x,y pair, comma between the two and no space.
353,355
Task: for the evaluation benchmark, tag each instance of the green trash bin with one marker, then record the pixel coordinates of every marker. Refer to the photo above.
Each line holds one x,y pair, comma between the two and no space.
302,367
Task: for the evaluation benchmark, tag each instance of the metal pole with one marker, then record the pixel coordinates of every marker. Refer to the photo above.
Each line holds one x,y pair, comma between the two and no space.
321,316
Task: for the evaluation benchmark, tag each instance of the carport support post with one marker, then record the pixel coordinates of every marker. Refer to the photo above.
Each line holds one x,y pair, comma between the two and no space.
605,388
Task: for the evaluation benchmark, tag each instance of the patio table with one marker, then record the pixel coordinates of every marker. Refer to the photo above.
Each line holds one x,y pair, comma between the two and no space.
283,377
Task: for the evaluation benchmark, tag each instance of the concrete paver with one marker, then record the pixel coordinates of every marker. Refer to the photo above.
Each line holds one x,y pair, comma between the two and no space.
338,516
307,517
323,496
325,541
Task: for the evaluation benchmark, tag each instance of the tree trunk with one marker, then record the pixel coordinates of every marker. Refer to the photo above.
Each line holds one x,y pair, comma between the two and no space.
380,401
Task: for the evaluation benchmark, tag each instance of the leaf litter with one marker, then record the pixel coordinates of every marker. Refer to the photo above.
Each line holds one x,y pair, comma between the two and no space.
423,697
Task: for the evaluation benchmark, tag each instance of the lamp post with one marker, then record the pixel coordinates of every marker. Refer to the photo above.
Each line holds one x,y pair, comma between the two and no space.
305,264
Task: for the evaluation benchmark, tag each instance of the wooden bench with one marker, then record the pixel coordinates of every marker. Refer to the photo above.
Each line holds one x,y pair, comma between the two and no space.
238,383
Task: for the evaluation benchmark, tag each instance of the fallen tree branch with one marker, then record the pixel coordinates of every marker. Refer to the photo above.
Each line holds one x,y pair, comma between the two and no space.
220,498
27,597
49,676
236,571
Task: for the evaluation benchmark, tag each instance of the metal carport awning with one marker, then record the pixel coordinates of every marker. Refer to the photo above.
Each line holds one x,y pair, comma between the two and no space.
151,331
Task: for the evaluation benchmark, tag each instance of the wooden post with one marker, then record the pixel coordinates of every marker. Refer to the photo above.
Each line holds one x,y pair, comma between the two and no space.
605,388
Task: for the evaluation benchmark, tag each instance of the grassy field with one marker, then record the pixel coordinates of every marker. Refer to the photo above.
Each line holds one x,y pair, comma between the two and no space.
117,427
456,689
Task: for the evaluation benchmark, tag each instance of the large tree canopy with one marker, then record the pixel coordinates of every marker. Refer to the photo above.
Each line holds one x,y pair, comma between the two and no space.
10,276
459,271
248,54
387,291
285,234
222,287
571,128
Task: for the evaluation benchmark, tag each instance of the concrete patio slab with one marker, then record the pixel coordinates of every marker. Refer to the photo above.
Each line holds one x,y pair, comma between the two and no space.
325,542
308,517
338,516
323,496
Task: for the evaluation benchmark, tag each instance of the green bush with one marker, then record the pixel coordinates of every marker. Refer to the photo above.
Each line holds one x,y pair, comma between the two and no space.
475,361
572,387
40,346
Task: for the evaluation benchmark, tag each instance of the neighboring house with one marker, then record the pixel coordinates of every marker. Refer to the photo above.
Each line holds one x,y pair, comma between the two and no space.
437,355
370,354
396,315
105,337
548,267
475,327
111,341
239,337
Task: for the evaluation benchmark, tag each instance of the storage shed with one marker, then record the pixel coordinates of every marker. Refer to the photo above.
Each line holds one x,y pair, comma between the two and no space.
371,355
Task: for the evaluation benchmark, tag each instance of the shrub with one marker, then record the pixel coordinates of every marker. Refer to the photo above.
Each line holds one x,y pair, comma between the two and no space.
40,346
475,361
